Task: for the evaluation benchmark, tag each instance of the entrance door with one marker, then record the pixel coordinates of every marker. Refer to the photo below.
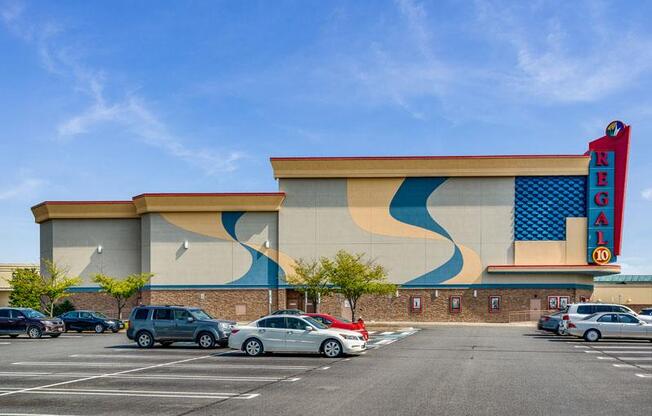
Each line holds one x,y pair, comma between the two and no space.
535,309
294,300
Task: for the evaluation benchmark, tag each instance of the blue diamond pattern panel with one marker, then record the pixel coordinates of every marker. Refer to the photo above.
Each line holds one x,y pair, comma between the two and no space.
544,202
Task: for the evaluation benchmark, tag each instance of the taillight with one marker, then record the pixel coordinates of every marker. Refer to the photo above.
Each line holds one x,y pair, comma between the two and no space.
571,325
565,317
235,331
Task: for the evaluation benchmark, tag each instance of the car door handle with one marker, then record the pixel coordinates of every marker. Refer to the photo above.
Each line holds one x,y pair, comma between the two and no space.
261,330
290,332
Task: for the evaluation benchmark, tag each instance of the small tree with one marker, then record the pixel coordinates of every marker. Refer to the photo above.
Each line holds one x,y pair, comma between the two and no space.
309,279
55,285
353,277
25,288
122,289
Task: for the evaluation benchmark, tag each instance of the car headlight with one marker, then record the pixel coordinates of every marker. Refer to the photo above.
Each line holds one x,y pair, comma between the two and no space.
223,326
351,337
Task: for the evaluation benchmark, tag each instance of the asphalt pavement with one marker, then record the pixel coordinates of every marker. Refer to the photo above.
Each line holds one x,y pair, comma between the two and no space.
441,370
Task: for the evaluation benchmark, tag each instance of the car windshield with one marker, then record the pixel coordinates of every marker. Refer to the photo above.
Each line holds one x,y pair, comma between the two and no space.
99,315
200,314
31,313
339,318
586,318
314,322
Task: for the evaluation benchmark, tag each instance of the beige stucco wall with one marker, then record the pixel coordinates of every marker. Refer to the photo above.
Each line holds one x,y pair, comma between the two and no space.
635,294
213,257
73,244
321,216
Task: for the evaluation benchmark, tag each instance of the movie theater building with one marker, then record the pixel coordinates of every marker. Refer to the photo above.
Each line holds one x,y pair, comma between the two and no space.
471,238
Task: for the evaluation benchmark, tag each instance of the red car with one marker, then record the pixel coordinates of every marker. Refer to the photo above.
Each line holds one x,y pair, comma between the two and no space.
335,322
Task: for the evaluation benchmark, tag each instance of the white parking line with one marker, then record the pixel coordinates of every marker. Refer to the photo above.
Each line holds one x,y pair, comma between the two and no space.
387,333
620,347
623,365
5,343
644,375
635,358
605,358
593,352
30,414
175,364
131,393
625,352
170,376
100,376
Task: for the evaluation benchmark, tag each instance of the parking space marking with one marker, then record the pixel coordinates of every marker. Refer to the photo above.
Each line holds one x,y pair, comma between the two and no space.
170,376
177,364
620,347
644,375
623,365
132,393
5,343
635,358
605,358
7,393
625,352
387,333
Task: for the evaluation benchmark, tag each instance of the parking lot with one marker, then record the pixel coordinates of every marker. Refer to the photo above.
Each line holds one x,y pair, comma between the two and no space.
442,370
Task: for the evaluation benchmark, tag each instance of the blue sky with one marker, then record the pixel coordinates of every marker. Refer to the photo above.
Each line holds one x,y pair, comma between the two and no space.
107,100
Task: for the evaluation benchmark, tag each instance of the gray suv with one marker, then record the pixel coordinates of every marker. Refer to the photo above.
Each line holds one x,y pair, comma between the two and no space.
168,324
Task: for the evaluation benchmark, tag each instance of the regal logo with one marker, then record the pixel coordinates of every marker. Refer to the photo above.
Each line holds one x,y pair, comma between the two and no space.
601,255
614,128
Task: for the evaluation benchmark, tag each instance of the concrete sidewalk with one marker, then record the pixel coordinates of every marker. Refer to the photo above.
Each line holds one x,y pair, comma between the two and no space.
373,324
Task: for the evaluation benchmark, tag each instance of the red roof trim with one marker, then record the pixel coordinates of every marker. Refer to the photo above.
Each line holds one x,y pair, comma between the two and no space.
211,194
425,157
548,266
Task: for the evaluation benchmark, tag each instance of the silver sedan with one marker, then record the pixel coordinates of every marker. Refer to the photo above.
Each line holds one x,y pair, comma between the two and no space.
610,325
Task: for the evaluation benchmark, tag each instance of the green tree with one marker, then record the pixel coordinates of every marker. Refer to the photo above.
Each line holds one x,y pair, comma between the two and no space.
55,285
353,277
309,279
25,288
122,289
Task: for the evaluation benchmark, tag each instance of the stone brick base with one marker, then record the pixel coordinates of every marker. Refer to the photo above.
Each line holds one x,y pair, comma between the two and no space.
249,304
515,305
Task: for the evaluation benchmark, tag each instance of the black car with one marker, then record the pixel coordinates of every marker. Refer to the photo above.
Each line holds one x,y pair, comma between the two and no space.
646,311
17,321
90,321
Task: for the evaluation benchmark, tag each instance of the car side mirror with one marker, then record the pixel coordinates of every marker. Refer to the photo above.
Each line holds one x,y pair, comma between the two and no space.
309,328
190,319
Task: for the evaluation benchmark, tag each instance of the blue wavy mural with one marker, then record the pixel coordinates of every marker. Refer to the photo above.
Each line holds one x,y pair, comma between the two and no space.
263,271
410,206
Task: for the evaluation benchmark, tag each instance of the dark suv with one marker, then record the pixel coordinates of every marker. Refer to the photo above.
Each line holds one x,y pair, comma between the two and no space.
16,321
90,321
168,324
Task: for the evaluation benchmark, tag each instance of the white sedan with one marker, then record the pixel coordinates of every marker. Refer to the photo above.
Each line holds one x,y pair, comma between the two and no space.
610,325
292,333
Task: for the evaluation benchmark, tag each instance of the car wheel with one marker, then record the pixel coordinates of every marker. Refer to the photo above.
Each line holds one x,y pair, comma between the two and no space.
559,330
206,340
99,328
54,335
252,347
34,332
14,335
166,343
332,348
115,330
592,335
144,339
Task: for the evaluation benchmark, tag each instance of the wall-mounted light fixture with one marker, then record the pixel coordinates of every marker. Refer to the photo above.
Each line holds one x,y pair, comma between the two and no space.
475,293
99,249
436,293
266,244
185,244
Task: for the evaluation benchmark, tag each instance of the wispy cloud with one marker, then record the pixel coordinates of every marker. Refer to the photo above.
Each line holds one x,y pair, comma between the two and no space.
550,61
647,194
24,187
130,114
